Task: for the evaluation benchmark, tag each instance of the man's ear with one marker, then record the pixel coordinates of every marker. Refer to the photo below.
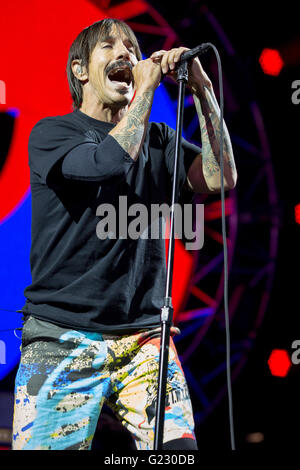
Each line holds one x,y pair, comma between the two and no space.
79,71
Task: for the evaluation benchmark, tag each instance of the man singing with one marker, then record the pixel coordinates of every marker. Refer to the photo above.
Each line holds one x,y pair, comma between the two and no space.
91,329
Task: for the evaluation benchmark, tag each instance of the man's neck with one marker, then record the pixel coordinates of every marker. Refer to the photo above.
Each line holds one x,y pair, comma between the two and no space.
104,113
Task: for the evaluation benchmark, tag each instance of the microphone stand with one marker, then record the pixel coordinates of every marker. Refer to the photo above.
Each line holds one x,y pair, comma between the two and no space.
167,309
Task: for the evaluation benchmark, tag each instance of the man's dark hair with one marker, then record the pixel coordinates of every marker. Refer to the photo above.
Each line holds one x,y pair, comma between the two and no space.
83,46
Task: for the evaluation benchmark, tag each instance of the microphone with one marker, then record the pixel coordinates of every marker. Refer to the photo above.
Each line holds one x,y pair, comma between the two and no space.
192,53
188,55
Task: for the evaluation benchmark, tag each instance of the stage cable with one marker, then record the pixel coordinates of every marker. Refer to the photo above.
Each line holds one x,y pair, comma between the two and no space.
226,309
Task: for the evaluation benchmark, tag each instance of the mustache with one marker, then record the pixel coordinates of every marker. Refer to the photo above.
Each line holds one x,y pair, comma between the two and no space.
118,64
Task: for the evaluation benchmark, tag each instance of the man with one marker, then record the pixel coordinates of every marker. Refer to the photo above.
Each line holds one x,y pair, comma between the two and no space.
92,313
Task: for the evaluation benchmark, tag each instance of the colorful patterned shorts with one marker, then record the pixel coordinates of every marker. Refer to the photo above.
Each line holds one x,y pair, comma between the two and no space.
65,376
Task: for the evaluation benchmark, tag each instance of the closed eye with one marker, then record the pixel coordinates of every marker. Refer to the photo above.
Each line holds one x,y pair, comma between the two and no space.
129,46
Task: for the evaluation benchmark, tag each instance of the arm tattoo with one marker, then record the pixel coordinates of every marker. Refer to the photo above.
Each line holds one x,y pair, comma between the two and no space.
209,117
130,137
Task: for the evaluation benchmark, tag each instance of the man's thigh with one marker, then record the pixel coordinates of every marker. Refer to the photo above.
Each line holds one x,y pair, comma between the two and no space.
59,388
136,399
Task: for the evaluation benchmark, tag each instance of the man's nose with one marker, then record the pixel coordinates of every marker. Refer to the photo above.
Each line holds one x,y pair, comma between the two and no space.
122,52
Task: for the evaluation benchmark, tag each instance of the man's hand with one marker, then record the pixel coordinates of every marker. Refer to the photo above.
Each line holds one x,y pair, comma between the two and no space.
168,61
204,173
146,75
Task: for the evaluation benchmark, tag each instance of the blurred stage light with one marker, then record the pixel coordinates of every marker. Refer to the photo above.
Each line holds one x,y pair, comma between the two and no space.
255,437
279,363
271,62
297,213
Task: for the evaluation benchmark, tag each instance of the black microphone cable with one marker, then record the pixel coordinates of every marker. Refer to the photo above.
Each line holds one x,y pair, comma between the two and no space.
188,56
225,254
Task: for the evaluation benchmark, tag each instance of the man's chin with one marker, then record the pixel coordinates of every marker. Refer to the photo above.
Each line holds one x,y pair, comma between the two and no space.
121,92
123,96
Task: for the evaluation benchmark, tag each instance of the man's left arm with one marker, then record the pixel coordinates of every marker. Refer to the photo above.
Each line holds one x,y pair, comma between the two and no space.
204,174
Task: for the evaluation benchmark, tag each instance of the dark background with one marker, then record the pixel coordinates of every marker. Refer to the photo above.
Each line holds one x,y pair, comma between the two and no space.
262,403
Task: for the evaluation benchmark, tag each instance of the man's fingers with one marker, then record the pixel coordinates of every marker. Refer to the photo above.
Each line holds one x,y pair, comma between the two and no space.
170,58
146,73
158,54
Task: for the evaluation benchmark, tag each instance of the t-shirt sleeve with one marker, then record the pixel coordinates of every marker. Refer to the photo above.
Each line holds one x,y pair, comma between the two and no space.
187,155
80,157
103,162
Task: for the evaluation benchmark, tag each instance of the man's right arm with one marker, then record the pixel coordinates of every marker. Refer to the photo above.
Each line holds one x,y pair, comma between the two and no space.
112,158
130,131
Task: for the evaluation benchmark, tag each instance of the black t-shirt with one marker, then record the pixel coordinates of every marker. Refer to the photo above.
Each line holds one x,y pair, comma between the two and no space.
80,281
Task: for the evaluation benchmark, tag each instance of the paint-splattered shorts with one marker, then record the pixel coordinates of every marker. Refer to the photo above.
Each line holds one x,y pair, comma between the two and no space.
65,376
